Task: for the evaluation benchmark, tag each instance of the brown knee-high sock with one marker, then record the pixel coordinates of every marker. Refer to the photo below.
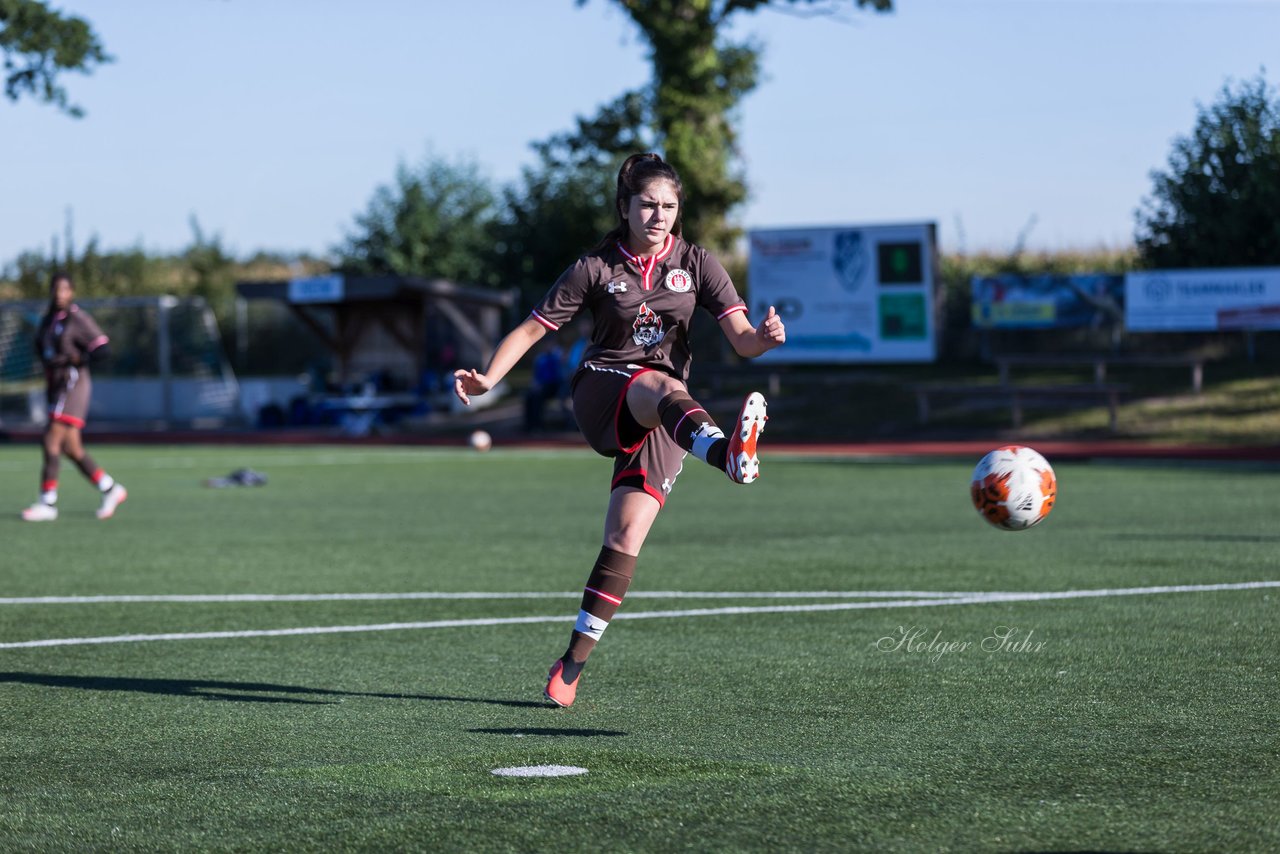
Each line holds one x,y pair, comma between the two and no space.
97,476
86,465
606,586
49,476
690,427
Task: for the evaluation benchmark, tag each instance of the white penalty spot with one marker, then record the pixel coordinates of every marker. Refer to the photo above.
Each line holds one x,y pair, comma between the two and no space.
539,771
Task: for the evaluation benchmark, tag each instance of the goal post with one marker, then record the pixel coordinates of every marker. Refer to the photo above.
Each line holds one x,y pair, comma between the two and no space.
167,365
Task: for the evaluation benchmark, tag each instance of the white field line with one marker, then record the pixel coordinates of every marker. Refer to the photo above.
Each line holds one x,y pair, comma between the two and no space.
257,458
384,597
972,599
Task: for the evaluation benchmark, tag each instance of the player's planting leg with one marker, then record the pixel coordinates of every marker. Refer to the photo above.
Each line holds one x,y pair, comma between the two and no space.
690,427
606,587
46,509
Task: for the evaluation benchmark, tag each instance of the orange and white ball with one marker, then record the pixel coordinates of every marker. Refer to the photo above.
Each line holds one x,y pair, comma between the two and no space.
1013,488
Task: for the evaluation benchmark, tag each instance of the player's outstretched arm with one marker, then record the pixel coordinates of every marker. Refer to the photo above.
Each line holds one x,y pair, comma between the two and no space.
510,350
750,341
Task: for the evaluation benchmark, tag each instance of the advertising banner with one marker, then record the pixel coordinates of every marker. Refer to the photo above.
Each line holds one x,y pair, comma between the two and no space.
316,289
847,293
1203,300
1010,301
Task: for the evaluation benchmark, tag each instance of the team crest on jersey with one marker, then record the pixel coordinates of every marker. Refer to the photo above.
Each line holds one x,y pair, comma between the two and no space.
679,281
647,330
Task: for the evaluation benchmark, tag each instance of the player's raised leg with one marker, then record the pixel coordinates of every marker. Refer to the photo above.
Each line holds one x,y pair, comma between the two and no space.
691,427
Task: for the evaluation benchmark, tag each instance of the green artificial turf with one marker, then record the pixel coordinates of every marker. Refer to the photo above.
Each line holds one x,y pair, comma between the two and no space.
1121,722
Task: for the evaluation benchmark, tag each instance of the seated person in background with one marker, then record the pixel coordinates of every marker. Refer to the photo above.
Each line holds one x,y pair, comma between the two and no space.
548,377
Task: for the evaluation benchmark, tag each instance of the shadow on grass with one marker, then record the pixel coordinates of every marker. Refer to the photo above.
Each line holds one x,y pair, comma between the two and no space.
1201,538
555,733
239,692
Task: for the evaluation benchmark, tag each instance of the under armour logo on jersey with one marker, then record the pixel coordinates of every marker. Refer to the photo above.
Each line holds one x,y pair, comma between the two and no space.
616,287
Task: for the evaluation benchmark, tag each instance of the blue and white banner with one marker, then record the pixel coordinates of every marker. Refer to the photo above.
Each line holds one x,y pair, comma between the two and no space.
847,293
1203,300
1010,301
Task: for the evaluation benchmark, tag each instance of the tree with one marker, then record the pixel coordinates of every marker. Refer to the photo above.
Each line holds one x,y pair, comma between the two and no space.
211,270
435,220
564,204
39,44
1216,204
699,78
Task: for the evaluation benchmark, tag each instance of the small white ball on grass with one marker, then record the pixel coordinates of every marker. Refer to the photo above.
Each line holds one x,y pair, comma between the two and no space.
481,441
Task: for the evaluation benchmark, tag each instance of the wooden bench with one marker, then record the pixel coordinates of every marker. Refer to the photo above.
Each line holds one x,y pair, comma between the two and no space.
1099,362
361,414
1018,396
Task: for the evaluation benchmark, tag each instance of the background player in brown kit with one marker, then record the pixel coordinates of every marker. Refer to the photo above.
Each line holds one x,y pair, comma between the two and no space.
67,342
641,285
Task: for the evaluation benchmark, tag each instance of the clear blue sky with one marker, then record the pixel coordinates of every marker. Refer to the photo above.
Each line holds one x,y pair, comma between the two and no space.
273,121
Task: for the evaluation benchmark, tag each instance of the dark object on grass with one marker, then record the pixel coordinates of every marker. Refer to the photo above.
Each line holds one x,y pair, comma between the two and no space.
239,477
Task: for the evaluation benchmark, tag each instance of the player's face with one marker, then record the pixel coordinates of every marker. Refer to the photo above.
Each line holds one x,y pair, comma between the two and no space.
63,293
650,217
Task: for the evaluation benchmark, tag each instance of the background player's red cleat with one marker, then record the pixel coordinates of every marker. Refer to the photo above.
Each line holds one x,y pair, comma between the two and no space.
114,497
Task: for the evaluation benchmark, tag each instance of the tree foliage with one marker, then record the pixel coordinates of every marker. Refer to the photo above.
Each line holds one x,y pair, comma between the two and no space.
563,204
437,219
39,44
203,269
1217,203
699,79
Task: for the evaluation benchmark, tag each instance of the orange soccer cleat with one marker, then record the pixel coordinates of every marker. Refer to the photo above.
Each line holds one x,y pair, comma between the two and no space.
742,465
558,691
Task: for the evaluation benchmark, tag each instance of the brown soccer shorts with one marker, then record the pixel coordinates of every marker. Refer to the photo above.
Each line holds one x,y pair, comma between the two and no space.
643,458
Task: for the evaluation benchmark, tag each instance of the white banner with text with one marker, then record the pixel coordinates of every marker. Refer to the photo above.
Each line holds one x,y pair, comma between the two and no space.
1202,300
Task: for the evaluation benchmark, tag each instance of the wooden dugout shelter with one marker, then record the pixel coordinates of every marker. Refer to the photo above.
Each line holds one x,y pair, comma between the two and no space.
388,322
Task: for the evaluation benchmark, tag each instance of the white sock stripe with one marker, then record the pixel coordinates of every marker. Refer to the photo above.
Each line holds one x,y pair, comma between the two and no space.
590,625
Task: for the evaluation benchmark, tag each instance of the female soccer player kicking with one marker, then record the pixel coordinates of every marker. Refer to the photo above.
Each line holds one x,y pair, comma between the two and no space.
641,284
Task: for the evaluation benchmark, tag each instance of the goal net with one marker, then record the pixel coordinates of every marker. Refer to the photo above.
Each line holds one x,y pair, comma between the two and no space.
167,366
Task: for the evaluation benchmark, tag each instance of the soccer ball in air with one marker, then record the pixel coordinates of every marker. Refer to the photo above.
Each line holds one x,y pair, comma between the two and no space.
1013,488
481,441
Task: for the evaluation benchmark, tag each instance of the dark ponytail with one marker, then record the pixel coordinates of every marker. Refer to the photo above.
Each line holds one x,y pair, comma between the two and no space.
637,173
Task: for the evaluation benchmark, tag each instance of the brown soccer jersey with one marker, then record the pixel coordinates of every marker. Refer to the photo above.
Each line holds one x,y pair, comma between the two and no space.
641,307
65,337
